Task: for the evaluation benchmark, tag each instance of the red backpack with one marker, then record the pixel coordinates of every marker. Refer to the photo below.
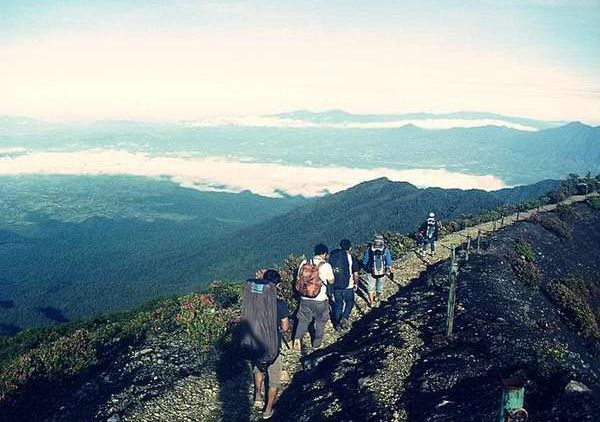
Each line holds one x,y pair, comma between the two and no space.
308,282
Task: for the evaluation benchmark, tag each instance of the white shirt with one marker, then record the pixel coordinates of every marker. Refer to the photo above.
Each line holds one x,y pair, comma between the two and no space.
326,276
351,281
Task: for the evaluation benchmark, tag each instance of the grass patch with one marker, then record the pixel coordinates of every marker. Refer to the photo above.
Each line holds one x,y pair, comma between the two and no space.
59,353
523,248
572,296
594,202
565,212
521,262
555,225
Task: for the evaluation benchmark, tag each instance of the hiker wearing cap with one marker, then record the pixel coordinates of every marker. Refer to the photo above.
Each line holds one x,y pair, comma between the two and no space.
430,232
377,262
345,270
268,374
313,277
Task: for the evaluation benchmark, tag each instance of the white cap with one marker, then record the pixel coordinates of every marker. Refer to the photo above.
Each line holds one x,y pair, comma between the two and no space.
431,214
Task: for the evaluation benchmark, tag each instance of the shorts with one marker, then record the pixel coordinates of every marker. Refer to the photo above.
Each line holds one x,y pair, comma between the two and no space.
273,372
375,284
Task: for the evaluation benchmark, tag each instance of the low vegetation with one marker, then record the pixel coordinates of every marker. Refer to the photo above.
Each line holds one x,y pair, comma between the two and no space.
573,295
521,259
49,355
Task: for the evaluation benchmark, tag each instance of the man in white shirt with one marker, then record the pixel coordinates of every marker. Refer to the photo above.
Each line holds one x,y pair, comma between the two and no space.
315,308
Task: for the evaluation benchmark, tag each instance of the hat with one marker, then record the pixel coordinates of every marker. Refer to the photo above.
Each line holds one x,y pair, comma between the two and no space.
431,214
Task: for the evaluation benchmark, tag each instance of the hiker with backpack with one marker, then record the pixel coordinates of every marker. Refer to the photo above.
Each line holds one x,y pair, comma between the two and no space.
377,262
311,283
345,270
430,230
265,318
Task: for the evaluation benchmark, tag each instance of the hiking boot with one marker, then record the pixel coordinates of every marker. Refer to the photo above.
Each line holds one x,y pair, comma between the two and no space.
259,404
267,415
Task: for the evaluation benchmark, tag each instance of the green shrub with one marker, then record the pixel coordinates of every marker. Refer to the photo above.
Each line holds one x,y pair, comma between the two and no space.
67,356
555,225
565,212
226,294
569,297
594,202
397,244
521,260
204,321
523,248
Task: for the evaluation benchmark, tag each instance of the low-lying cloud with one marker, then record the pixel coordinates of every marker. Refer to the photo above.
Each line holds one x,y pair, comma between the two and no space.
220,174
432,123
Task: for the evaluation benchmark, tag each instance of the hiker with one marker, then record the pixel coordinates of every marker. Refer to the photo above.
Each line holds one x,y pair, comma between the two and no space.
430,231
377,262
345,270
265,317
313,277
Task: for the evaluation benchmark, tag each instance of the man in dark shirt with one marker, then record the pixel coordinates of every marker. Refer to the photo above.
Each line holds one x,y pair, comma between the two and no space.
274,370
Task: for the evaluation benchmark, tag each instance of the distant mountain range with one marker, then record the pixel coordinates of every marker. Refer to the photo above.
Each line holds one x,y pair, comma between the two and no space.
514,156
341,116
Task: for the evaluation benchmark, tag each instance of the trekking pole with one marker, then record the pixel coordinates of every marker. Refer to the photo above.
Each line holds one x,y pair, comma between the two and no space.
285,342
451,298
468,248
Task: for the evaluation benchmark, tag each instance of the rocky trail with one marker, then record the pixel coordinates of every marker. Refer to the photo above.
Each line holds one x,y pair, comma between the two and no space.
175,386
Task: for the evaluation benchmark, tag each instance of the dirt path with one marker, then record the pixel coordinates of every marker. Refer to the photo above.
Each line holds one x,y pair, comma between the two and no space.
207,398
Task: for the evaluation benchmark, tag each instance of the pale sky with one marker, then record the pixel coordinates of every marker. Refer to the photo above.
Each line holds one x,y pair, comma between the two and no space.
183,59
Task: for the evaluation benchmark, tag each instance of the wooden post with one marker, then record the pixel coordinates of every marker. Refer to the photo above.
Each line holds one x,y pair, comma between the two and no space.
468,248
502,221
518,215
478,240
511,405
451,298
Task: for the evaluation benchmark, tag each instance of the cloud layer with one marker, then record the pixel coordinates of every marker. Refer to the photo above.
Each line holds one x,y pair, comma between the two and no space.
265,121
220,174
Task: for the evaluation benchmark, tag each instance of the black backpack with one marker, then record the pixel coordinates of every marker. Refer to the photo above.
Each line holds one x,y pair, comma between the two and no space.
338,259
258,324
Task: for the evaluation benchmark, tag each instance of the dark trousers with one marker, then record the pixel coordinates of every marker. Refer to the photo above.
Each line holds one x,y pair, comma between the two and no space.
308,311
344,302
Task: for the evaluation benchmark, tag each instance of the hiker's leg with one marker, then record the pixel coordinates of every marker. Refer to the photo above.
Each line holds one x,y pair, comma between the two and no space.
432,246
274,372
371,287
259,378
348,303
304,317
379,287
321,317
338,297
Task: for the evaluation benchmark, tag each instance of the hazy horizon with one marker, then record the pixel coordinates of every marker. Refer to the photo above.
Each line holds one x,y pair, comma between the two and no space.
147,60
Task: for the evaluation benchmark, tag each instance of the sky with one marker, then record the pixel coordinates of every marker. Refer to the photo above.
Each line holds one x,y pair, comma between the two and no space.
184,59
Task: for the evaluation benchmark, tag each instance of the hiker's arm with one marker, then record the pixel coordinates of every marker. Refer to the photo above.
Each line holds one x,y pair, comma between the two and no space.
326,273
356,279
365,260
285,325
